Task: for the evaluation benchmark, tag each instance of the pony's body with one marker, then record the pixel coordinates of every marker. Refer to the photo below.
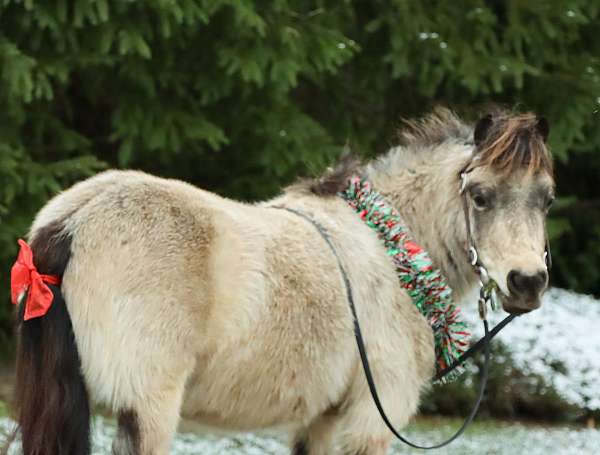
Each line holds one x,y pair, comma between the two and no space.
235,315
171,287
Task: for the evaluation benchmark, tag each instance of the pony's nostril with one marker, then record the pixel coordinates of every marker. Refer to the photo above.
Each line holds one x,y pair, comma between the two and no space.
520,283
515,282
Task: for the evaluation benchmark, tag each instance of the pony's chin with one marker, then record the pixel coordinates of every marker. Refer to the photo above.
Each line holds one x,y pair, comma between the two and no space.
517,310
518,305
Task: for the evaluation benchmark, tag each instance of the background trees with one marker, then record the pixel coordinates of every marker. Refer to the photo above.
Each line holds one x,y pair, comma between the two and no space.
242,96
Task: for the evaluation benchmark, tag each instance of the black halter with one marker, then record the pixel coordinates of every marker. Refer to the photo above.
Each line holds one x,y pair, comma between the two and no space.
486,295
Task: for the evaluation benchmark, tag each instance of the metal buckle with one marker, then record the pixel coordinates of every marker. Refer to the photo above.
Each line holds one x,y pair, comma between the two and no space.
473,256
483,275
463,182
488,292
494,299
482,308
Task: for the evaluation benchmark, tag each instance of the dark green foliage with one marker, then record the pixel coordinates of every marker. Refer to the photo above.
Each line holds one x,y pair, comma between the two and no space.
241,96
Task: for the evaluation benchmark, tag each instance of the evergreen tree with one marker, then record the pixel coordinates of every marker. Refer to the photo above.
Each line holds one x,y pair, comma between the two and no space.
242,96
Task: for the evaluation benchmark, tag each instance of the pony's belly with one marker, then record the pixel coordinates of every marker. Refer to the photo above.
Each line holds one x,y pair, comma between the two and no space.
245,417
246,391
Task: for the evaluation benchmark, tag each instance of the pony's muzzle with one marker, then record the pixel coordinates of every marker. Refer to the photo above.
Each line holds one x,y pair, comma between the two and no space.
525,290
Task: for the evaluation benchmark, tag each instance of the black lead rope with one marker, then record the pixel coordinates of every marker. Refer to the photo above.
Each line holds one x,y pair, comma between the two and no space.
475,348
484,342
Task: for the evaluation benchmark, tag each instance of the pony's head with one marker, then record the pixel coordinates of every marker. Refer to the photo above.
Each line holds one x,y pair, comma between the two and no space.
509,188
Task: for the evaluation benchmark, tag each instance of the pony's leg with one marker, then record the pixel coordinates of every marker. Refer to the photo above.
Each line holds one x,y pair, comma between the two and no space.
354,426
127,441
373,446
339,434
316,438
149,427
360,430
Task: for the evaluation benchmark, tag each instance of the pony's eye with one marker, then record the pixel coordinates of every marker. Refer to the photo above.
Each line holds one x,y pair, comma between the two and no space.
480,201
549,202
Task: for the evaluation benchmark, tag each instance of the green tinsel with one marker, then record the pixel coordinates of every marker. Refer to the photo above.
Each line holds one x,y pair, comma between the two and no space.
426,286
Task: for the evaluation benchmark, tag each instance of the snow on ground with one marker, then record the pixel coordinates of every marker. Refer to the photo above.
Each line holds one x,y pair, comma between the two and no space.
504,439
564,331
485,438
560,341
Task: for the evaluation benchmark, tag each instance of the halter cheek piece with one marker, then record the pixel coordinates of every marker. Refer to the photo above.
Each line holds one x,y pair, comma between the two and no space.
488,289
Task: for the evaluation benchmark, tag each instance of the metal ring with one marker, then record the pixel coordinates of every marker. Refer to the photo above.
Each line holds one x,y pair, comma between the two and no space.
473,256
483,274
482,309
494,299
463,182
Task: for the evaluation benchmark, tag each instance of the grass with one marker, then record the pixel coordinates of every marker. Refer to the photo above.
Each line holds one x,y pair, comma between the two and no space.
493,437
489,437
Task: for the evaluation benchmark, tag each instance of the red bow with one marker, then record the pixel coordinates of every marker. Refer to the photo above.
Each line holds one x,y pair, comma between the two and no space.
24,276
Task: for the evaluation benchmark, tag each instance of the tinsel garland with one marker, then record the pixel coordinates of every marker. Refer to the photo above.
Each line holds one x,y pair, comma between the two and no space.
426,286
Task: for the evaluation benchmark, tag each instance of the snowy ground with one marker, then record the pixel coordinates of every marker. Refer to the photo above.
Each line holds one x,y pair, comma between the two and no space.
560,341
484,438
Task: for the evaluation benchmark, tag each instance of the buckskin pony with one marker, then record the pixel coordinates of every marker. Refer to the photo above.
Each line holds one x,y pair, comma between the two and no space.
167,300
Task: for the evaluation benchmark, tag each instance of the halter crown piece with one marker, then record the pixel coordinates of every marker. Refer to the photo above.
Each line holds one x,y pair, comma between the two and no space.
426,285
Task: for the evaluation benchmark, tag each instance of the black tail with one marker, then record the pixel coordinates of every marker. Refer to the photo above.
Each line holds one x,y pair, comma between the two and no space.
51,399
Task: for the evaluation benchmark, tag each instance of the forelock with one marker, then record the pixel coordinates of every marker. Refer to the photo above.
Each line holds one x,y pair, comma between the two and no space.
513,143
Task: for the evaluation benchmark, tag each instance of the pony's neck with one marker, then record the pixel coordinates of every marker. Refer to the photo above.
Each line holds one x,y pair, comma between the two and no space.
426,195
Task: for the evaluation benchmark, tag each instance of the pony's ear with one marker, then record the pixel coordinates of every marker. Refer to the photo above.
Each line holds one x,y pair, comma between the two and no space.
482,128
543,128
